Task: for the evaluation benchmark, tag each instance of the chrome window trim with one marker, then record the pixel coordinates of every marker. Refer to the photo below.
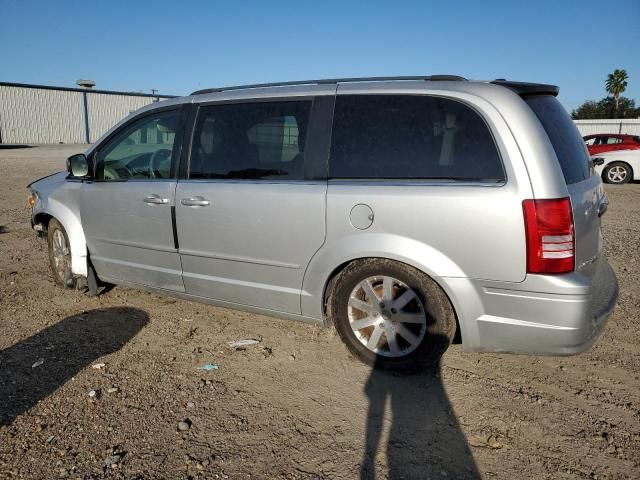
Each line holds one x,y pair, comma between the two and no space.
251,181
413,182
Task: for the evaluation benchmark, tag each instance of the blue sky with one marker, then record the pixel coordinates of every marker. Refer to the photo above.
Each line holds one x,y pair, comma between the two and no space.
178,47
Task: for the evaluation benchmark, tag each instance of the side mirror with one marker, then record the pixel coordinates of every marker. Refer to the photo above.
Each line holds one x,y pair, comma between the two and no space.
78,165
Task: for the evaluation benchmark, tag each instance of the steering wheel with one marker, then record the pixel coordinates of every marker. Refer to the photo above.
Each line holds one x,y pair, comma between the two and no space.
157,158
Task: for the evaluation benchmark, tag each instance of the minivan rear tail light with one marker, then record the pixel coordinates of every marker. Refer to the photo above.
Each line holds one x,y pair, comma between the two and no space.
550,235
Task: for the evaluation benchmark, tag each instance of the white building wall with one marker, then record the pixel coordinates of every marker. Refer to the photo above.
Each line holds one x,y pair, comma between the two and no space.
624,126
45,115
33,114
30,115
105,110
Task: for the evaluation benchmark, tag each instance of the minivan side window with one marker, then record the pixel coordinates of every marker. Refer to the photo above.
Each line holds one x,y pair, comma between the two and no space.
563,134
141,150
411,137
250,141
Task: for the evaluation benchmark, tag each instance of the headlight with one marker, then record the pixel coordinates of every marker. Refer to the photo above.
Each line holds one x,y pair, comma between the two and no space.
32,199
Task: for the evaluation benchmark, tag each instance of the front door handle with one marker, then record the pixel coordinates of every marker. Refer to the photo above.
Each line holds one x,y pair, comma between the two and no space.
195,201
156,200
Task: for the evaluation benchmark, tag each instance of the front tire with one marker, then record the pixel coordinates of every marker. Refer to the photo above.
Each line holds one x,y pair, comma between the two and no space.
617,173
390,315
60,254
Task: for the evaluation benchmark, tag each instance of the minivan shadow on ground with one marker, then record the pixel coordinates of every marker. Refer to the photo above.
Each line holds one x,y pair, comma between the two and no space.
64,349
425,440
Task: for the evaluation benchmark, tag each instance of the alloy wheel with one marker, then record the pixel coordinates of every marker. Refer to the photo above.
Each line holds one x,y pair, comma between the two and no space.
617,174
387,316
61,254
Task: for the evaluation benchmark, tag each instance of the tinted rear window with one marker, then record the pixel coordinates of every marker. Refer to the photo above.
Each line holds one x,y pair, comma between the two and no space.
411,137
564,137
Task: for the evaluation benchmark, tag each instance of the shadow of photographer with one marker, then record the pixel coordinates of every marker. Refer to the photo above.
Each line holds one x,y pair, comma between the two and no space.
64,348
425,440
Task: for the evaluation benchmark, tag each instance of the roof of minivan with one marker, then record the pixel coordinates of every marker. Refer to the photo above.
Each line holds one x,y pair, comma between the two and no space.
501,90
521,88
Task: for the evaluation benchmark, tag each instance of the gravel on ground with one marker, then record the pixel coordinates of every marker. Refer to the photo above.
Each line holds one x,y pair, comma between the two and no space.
111,386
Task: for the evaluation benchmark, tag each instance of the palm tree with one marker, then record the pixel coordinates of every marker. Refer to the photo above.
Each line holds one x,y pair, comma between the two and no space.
616,84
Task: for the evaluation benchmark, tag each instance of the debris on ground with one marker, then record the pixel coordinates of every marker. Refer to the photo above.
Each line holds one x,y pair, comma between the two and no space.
493,442
243,344
97,366
114,459
39,362
207,367
489,442
184,425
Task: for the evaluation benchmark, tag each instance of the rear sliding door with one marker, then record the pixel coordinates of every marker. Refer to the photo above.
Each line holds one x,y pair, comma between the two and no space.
429,171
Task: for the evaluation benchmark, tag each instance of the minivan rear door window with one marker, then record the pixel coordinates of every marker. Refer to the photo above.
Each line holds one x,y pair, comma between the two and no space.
411,137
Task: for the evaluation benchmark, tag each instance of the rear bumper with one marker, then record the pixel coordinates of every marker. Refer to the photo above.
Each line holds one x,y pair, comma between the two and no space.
544,315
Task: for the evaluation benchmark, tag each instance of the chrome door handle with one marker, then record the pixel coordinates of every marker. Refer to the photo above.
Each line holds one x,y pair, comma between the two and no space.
195,202
156,200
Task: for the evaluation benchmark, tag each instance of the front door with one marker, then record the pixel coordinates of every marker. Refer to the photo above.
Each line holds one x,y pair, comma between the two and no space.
127,210
249,219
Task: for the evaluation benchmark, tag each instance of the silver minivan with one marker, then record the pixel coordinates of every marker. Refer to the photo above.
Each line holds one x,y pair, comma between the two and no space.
404,211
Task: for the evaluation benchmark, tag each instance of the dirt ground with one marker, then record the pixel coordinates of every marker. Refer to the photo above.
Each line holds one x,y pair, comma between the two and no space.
295,406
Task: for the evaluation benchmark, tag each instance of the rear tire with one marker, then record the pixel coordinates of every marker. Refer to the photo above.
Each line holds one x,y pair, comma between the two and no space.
60,254
617,173
390,315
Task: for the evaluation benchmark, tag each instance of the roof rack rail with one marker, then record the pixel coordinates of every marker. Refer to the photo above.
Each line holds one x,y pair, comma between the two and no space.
432,78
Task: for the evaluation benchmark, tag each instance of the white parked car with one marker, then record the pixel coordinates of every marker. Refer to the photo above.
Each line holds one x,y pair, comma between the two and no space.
620,166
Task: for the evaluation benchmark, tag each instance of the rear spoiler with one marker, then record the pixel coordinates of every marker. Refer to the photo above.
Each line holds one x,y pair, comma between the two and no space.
526,88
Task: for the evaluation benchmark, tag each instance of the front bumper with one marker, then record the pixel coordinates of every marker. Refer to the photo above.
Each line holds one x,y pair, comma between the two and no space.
544,315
